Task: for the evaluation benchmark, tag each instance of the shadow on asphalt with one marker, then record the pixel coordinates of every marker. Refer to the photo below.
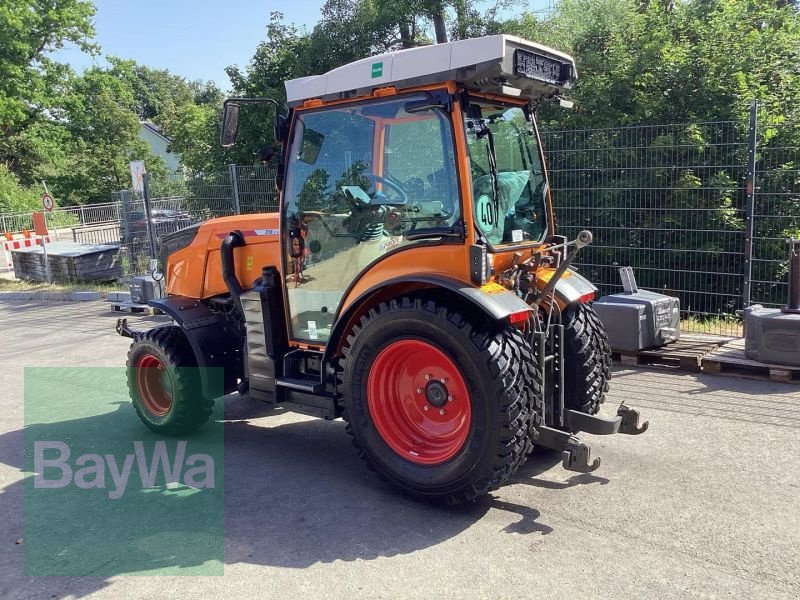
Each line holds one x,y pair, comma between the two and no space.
295,494
722,397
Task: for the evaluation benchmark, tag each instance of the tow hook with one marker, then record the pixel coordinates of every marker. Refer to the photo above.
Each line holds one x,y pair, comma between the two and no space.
630,421
578,457
125,331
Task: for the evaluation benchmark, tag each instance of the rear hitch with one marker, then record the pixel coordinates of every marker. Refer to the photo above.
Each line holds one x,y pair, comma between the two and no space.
626,422
630,421
576,455
125,331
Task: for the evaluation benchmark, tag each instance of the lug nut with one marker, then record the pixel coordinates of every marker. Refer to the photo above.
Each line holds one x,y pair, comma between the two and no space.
426,407
419,390
444,379
450,398
441,412
428,377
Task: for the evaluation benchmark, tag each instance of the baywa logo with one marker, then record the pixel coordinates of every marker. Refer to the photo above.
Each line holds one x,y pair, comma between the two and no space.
106,496
90,471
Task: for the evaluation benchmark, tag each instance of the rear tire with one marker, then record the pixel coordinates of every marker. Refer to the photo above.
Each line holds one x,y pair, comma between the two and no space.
394,362
587,357
164,382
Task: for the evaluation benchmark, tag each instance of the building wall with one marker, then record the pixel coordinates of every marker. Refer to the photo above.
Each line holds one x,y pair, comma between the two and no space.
158,144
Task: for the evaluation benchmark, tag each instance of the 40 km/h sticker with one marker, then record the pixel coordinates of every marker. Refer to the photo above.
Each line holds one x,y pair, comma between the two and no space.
486,213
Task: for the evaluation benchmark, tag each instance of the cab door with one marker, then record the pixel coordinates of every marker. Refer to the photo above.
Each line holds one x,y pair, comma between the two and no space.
364,180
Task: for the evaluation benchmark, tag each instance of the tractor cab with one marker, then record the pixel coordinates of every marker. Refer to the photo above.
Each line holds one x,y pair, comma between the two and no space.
412,281
432,146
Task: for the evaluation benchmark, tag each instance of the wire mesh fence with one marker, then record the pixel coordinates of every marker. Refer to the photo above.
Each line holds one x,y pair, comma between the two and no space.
185,199
776,211
668,200
674,202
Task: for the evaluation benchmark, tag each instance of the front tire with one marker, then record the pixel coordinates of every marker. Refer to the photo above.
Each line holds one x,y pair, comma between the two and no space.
164,382
440,404
587,357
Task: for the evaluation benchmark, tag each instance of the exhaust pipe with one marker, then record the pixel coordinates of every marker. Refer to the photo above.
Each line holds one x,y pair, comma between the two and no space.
235,239
793,306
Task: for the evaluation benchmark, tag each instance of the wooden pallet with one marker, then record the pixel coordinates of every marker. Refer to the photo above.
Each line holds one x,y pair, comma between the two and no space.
730,359
132,307
685,354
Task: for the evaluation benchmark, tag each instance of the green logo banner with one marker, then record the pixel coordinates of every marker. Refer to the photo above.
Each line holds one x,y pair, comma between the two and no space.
377,69
104,495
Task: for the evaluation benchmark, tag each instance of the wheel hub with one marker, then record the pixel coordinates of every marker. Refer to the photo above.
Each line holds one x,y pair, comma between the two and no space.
436,394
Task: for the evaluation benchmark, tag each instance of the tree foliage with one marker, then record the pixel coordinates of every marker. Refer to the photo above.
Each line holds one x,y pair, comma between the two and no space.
660,61
78,132
639,61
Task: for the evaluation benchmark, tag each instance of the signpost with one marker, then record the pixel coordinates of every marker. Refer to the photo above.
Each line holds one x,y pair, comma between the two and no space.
141,185
137,175
40,227
47,202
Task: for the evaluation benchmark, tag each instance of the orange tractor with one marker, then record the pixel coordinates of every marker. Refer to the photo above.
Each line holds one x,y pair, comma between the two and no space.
412,283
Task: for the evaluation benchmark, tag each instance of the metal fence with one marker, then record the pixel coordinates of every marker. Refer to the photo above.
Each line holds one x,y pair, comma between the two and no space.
182,200
701,211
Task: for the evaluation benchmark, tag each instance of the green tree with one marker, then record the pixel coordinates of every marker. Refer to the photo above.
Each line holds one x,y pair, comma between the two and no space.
349,30
15,197
103,130
663,61
31,83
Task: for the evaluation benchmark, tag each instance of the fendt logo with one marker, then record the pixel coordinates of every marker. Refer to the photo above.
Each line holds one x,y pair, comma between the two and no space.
91,471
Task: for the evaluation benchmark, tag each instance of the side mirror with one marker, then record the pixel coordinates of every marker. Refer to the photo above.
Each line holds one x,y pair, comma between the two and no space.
230,124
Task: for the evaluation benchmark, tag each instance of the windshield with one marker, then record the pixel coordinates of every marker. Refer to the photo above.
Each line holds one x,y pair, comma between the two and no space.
508,186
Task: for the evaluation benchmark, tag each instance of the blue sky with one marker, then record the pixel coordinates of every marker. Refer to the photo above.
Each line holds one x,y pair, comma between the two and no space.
197,38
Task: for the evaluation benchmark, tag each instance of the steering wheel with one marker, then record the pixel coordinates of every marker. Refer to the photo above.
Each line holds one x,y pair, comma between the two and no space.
389,183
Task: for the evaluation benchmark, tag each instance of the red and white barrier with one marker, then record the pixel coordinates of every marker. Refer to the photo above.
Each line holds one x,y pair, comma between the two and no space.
9,245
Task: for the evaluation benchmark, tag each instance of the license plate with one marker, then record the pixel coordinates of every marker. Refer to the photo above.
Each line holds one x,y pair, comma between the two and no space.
536,66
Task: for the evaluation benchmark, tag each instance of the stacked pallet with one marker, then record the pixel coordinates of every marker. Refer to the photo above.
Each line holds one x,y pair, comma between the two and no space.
67,262
730,359
685,354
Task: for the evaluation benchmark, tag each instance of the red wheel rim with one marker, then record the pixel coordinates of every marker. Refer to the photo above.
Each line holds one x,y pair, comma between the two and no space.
419,402
150,373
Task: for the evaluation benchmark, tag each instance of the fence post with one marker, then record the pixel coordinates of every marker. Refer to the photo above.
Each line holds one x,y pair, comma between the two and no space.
148,213
83,214
5,225
750,205
237,209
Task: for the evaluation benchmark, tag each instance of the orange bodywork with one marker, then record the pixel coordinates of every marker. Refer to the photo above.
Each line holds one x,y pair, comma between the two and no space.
195,271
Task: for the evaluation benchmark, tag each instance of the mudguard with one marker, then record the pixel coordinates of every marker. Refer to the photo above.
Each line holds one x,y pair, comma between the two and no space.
493,300
572,287
215,341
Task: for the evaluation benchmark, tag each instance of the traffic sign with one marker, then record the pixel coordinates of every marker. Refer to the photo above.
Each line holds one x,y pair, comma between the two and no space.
137,175
47,202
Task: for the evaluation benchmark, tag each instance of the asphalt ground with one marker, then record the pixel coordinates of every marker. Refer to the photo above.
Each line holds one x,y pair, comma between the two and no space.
706,504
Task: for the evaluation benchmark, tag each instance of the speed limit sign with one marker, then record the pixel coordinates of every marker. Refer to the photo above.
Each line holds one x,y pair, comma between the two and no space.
47,202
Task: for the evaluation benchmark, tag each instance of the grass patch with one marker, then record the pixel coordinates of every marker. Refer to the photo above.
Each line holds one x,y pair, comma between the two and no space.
726,325
23,285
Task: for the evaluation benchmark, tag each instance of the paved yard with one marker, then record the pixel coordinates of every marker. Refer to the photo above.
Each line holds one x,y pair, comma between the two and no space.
704,505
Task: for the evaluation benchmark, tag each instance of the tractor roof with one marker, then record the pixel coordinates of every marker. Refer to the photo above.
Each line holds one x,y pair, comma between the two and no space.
491,64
